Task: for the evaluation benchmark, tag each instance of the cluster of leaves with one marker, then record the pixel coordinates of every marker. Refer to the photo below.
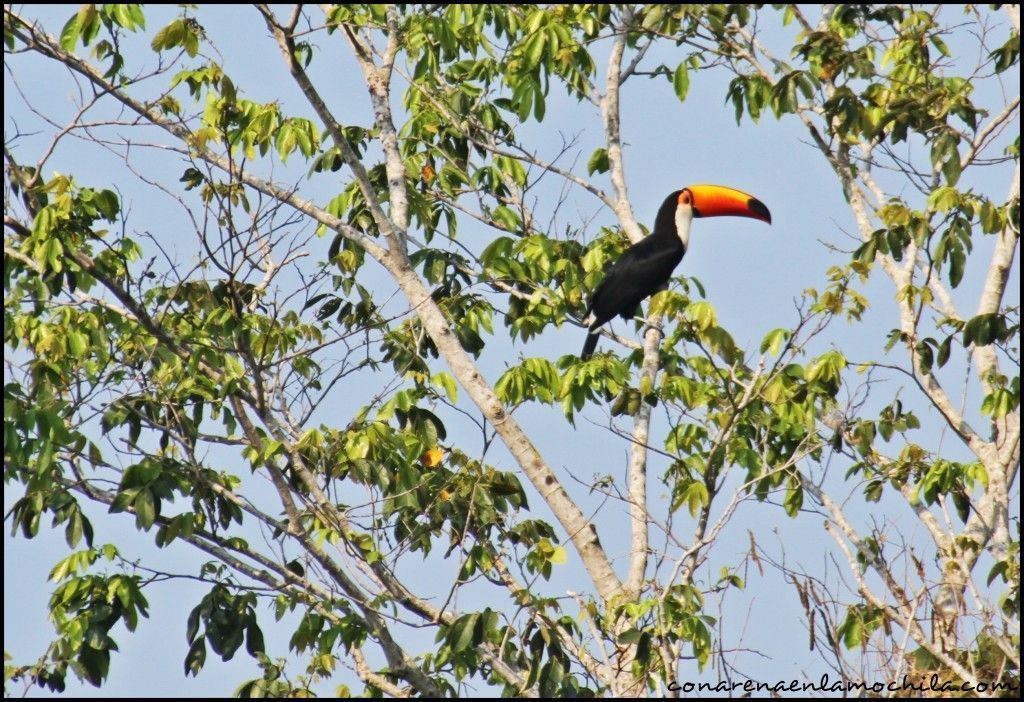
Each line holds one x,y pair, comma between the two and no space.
76,352
84,608
885,75
536,648
226,618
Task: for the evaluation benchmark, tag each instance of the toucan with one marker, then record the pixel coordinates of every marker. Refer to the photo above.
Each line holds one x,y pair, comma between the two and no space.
647,265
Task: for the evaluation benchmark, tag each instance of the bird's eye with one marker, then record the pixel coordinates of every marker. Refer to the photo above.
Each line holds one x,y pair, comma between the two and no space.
685,198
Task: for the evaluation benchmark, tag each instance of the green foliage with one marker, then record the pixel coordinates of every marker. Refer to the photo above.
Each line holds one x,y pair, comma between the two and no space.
84,609
534,379
181,33
275,684
227,619
860,623
85,27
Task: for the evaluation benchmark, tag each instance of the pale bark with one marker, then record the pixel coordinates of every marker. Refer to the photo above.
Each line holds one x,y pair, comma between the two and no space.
581,531
636,479
988,524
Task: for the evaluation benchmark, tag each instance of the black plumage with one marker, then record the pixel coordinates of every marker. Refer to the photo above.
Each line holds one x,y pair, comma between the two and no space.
647,266
641,271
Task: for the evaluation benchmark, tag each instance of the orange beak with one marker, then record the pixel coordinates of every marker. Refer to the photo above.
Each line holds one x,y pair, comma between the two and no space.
720,201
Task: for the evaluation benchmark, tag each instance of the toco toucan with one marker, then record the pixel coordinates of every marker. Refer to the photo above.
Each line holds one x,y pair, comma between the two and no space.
646,266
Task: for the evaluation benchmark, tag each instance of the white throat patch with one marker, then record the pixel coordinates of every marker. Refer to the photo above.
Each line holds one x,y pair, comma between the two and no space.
684,216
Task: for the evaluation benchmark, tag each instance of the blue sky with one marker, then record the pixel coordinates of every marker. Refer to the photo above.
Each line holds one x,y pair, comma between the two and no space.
753,275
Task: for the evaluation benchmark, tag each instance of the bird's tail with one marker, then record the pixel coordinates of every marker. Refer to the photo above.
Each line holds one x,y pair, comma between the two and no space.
588,348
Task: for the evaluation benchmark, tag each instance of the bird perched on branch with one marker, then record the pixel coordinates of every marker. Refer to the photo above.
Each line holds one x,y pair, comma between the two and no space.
646,266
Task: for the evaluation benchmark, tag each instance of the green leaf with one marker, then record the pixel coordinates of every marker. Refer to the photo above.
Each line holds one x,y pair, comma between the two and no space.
69,35
1007,55
951,168
169,37
925,356
95,664
983,330
654,14
991,219
78,343
183,33
522,99
703,315
145,509
681,80
774,340
794,499
629,636
88,21
598,162
851,632
944,351
196,658
873,490
534,49
1000,569
447,382
694,496
999,403
461,635
944,198
962,505
254,639
957,265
